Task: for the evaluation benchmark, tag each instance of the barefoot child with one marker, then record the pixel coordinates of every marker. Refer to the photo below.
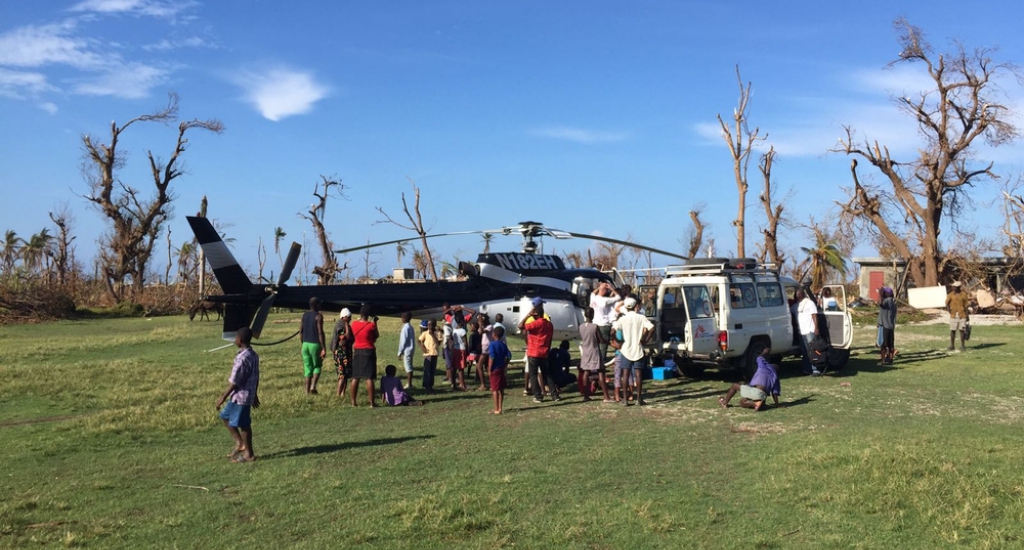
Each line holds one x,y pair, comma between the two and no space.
391,387
498,355
241,395
765,381
591,363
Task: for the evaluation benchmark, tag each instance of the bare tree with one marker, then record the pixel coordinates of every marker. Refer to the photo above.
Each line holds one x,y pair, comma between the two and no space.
694,237
62,250
772,212
327,271
170,259
261,258
573,259
369,264
608,256
135,221
741,140
203,205
1013,223
415,224
961,108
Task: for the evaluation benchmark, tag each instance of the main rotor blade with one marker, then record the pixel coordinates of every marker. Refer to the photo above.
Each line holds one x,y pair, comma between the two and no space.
261,315
558,233
396,241
628,244
289,263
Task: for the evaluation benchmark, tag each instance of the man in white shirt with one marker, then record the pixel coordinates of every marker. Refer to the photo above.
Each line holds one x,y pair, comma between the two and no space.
603,301
807,322
635,330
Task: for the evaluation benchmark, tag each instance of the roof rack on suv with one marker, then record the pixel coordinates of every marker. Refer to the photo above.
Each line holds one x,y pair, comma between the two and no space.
705,266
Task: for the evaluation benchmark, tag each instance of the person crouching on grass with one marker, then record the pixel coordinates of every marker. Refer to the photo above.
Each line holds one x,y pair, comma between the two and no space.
498,357
765,381
391,388
241,395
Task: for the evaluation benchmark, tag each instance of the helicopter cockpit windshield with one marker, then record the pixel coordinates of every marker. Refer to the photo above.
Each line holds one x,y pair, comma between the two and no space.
581,289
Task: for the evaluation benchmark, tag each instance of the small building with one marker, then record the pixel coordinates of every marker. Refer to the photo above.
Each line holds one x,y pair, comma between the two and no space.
994,274
876,273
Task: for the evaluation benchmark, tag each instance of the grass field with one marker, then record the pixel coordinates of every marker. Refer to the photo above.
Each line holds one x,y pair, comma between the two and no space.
110,439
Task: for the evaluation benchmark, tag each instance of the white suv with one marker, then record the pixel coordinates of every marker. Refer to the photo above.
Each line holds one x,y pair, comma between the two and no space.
721,312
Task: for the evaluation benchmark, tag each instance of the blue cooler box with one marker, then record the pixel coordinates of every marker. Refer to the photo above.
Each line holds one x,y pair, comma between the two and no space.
663,373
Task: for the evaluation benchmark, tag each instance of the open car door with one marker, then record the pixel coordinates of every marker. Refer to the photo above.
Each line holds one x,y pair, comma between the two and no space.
837,315
701,325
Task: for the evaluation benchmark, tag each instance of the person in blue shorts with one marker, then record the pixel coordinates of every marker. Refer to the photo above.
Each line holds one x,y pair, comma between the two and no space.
241,396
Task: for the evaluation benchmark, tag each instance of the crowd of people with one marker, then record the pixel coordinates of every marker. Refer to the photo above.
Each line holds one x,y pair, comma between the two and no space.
468,339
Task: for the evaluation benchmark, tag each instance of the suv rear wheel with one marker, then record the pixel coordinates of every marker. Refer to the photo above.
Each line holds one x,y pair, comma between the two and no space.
749,364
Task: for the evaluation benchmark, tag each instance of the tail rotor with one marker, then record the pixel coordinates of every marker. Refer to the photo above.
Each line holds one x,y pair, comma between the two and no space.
272,290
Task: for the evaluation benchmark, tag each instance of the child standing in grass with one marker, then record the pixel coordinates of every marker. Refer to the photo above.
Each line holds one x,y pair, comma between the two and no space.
764,382
498,355
241,395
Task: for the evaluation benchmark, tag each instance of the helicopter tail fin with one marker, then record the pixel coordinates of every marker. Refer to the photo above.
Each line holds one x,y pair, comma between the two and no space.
226,269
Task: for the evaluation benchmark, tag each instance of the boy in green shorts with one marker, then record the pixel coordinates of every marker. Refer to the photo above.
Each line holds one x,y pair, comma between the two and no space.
313,348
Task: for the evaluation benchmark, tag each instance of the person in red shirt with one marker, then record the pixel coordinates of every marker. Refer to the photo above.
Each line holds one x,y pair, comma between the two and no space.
539,330
364,354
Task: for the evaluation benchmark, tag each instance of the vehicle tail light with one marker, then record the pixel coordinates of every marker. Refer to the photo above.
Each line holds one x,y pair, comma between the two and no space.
723,340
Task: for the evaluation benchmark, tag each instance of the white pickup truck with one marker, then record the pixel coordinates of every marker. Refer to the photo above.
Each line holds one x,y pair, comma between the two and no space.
720,312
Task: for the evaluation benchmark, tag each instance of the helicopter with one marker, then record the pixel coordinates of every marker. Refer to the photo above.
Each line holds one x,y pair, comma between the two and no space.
501,282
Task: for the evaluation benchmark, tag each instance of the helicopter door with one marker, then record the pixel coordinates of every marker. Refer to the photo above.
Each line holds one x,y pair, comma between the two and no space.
834,308
701,326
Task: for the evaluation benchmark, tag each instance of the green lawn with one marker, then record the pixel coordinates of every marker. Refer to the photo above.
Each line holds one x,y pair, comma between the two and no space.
110,439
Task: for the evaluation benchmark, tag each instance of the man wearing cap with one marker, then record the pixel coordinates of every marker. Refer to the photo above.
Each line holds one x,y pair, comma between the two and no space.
341,348
539,331
956,303
313,346
635,329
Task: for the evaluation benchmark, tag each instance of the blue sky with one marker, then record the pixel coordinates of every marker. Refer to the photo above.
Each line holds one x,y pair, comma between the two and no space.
587,116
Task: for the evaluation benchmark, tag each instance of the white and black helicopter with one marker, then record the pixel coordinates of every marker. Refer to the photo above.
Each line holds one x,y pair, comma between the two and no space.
501,282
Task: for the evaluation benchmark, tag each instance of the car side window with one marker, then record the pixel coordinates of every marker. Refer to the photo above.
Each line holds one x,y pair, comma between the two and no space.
699,302
770,294
742,296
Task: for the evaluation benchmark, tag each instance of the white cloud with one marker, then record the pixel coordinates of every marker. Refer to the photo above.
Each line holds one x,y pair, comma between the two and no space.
168,45
48,107
899,80
21,84
580,135
710,131
280,93
104,71
35,46
151,8
129,81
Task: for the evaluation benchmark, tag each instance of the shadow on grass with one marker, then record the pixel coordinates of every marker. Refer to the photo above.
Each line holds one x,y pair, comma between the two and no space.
677,393
441,397
323,449
986,345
